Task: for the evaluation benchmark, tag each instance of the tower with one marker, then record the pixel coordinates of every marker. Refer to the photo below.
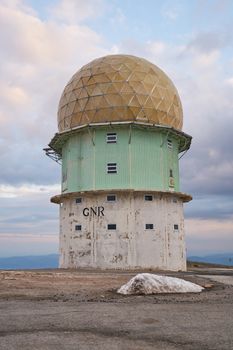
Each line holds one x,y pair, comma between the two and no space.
119,140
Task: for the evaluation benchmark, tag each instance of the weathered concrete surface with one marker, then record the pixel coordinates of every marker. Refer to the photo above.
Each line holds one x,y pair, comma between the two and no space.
130,245
80,310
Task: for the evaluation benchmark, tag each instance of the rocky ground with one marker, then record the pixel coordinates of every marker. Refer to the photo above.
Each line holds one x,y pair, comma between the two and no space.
70,309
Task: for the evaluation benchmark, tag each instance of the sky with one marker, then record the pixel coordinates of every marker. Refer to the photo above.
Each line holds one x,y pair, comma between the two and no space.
44,42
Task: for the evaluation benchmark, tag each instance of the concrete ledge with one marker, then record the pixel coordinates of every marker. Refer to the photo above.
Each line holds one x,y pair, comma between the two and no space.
59,198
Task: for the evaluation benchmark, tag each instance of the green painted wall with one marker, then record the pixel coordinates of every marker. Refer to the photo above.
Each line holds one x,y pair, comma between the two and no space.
143,160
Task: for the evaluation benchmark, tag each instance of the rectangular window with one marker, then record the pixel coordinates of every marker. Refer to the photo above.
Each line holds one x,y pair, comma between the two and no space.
112,168
176,227
171,173
78,200
78,227
111,226
111,137
149,226
111,198
169,144
148,197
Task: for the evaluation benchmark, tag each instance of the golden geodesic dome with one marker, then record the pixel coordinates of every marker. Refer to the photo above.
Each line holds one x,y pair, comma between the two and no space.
118,88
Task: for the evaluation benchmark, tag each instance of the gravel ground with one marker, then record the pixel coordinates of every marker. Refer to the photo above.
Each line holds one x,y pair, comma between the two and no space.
65,309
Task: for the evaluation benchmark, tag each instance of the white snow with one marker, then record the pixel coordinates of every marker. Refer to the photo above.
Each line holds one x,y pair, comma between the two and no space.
147,283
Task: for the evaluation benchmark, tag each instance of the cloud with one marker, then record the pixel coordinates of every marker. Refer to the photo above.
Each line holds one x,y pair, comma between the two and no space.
207,42
119,17
218,207
27,244
75,11
230,81
209,236
38,57
7,191
170,12
29,222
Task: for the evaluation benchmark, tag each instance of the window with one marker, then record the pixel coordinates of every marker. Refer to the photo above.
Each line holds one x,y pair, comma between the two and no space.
112,168
174,200
171,173
148,197
111,226
111,137
149,226
176,227
78,227
169,144
111,198
78,200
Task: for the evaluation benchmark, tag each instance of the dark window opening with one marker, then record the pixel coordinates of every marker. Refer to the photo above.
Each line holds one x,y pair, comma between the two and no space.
111,226
149,226
148,197
78,200
111,198
111,137
78,227
176,227
112,168
171,173
169,144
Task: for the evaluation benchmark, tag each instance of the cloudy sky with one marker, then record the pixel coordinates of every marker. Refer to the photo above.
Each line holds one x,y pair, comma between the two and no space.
43,42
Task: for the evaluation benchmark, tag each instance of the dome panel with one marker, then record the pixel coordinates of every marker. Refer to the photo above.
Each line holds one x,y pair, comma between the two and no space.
119,88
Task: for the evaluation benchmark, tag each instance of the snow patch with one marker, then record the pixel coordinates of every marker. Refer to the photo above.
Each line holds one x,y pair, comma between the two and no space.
147,283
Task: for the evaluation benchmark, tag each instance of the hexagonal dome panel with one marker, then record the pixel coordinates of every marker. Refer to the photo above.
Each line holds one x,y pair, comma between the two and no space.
119,88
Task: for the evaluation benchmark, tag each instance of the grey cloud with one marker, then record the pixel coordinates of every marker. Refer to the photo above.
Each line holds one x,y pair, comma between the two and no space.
207,170
28,214
201,245
29,218
206,42
208,166
210,207
28,164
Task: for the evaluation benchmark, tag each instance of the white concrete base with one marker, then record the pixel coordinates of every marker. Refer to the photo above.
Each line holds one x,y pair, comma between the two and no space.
130,245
